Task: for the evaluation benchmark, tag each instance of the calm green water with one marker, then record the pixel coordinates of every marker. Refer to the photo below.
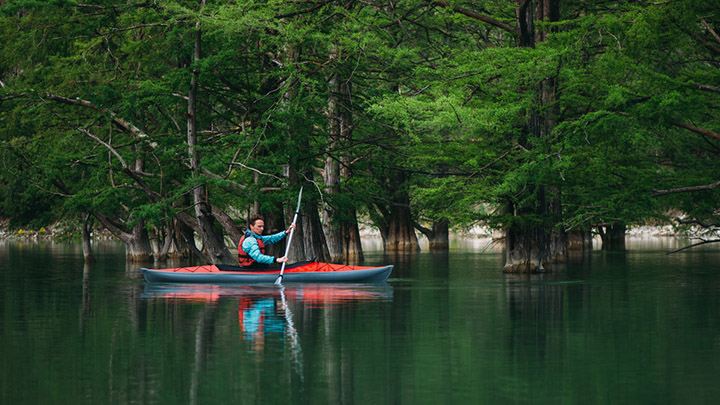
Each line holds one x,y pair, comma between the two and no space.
634,327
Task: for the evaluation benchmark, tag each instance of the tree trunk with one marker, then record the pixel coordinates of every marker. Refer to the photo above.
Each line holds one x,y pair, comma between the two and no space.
613,236
524,249
165,241
579,240
311,241
332,221
138,247
233,230
213,243
530,247
438,236
137,242
275,222
87,239
401,232
440,240
183,241
351,238
340,222
309,238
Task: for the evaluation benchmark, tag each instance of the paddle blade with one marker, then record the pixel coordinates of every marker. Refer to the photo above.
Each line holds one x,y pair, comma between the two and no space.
299,199
279,280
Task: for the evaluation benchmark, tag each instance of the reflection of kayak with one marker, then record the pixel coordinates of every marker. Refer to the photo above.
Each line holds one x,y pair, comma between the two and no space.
307,272
311,294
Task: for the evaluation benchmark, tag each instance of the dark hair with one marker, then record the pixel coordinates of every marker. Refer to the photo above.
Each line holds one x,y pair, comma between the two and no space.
254,218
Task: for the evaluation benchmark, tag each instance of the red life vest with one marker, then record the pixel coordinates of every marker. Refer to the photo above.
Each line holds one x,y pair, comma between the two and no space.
243,258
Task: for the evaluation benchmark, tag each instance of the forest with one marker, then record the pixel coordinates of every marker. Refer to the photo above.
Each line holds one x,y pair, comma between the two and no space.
169,123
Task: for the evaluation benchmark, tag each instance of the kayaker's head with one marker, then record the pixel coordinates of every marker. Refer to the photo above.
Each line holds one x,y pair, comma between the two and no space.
257,224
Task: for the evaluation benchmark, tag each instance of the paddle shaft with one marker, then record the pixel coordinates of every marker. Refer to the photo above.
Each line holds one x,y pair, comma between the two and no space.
289,241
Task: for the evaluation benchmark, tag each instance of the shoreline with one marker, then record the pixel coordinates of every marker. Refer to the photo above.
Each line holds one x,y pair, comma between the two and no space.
59,232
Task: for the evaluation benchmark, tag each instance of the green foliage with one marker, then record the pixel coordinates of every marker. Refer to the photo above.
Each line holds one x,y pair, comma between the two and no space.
440,106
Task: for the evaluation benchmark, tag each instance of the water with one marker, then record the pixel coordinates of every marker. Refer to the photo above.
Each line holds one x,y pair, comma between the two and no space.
633,327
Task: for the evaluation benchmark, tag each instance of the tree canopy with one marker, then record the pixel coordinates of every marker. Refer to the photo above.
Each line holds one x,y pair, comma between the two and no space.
537,117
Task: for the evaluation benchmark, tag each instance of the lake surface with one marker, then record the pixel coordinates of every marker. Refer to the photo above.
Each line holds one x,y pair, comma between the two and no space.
638,326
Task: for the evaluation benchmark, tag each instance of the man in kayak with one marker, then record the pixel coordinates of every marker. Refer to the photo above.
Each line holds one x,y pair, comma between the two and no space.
251,249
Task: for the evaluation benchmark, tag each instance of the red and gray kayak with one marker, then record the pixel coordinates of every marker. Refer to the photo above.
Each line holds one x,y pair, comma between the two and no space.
303,272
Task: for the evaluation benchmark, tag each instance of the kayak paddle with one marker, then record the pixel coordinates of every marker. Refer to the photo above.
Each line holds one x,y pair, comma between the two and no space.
287,248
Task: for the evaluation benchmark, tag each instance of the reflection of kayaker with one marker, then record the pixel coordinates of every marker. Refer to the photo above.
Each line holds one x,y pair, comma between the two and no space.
258,320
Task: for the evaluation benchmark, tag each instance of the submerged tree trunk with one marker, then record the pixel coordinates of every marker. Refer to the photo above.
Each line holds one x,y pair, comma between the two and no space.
579,240
310,242
438,236
613,236
395,222
331,218
526,249
213,243
531,246
138,247
86,239
309,238
183,241
351,239
401,235
137,242
339,219
331,176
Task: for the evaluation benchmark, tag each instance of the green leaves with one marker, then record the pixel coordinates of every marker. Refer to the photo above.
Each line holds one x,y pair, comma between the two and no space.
437,104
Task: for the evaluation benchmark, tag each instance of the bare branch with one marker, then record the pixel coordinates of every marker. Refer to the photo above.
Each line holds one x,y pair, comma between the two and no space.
710,30
21,95
698,222
697,130
708,88
257,171
218,177
685,189
478,16
135,175
117,120
106,145
134,27
694,245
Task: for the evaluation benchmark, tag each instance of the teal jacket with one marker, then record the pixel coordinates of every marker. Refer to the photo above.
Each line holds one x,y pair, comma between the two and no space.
250,245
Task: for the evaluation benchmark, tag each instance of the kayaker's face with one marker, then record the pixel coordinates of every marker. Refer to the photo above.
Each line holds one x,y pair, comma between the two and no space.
258,227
